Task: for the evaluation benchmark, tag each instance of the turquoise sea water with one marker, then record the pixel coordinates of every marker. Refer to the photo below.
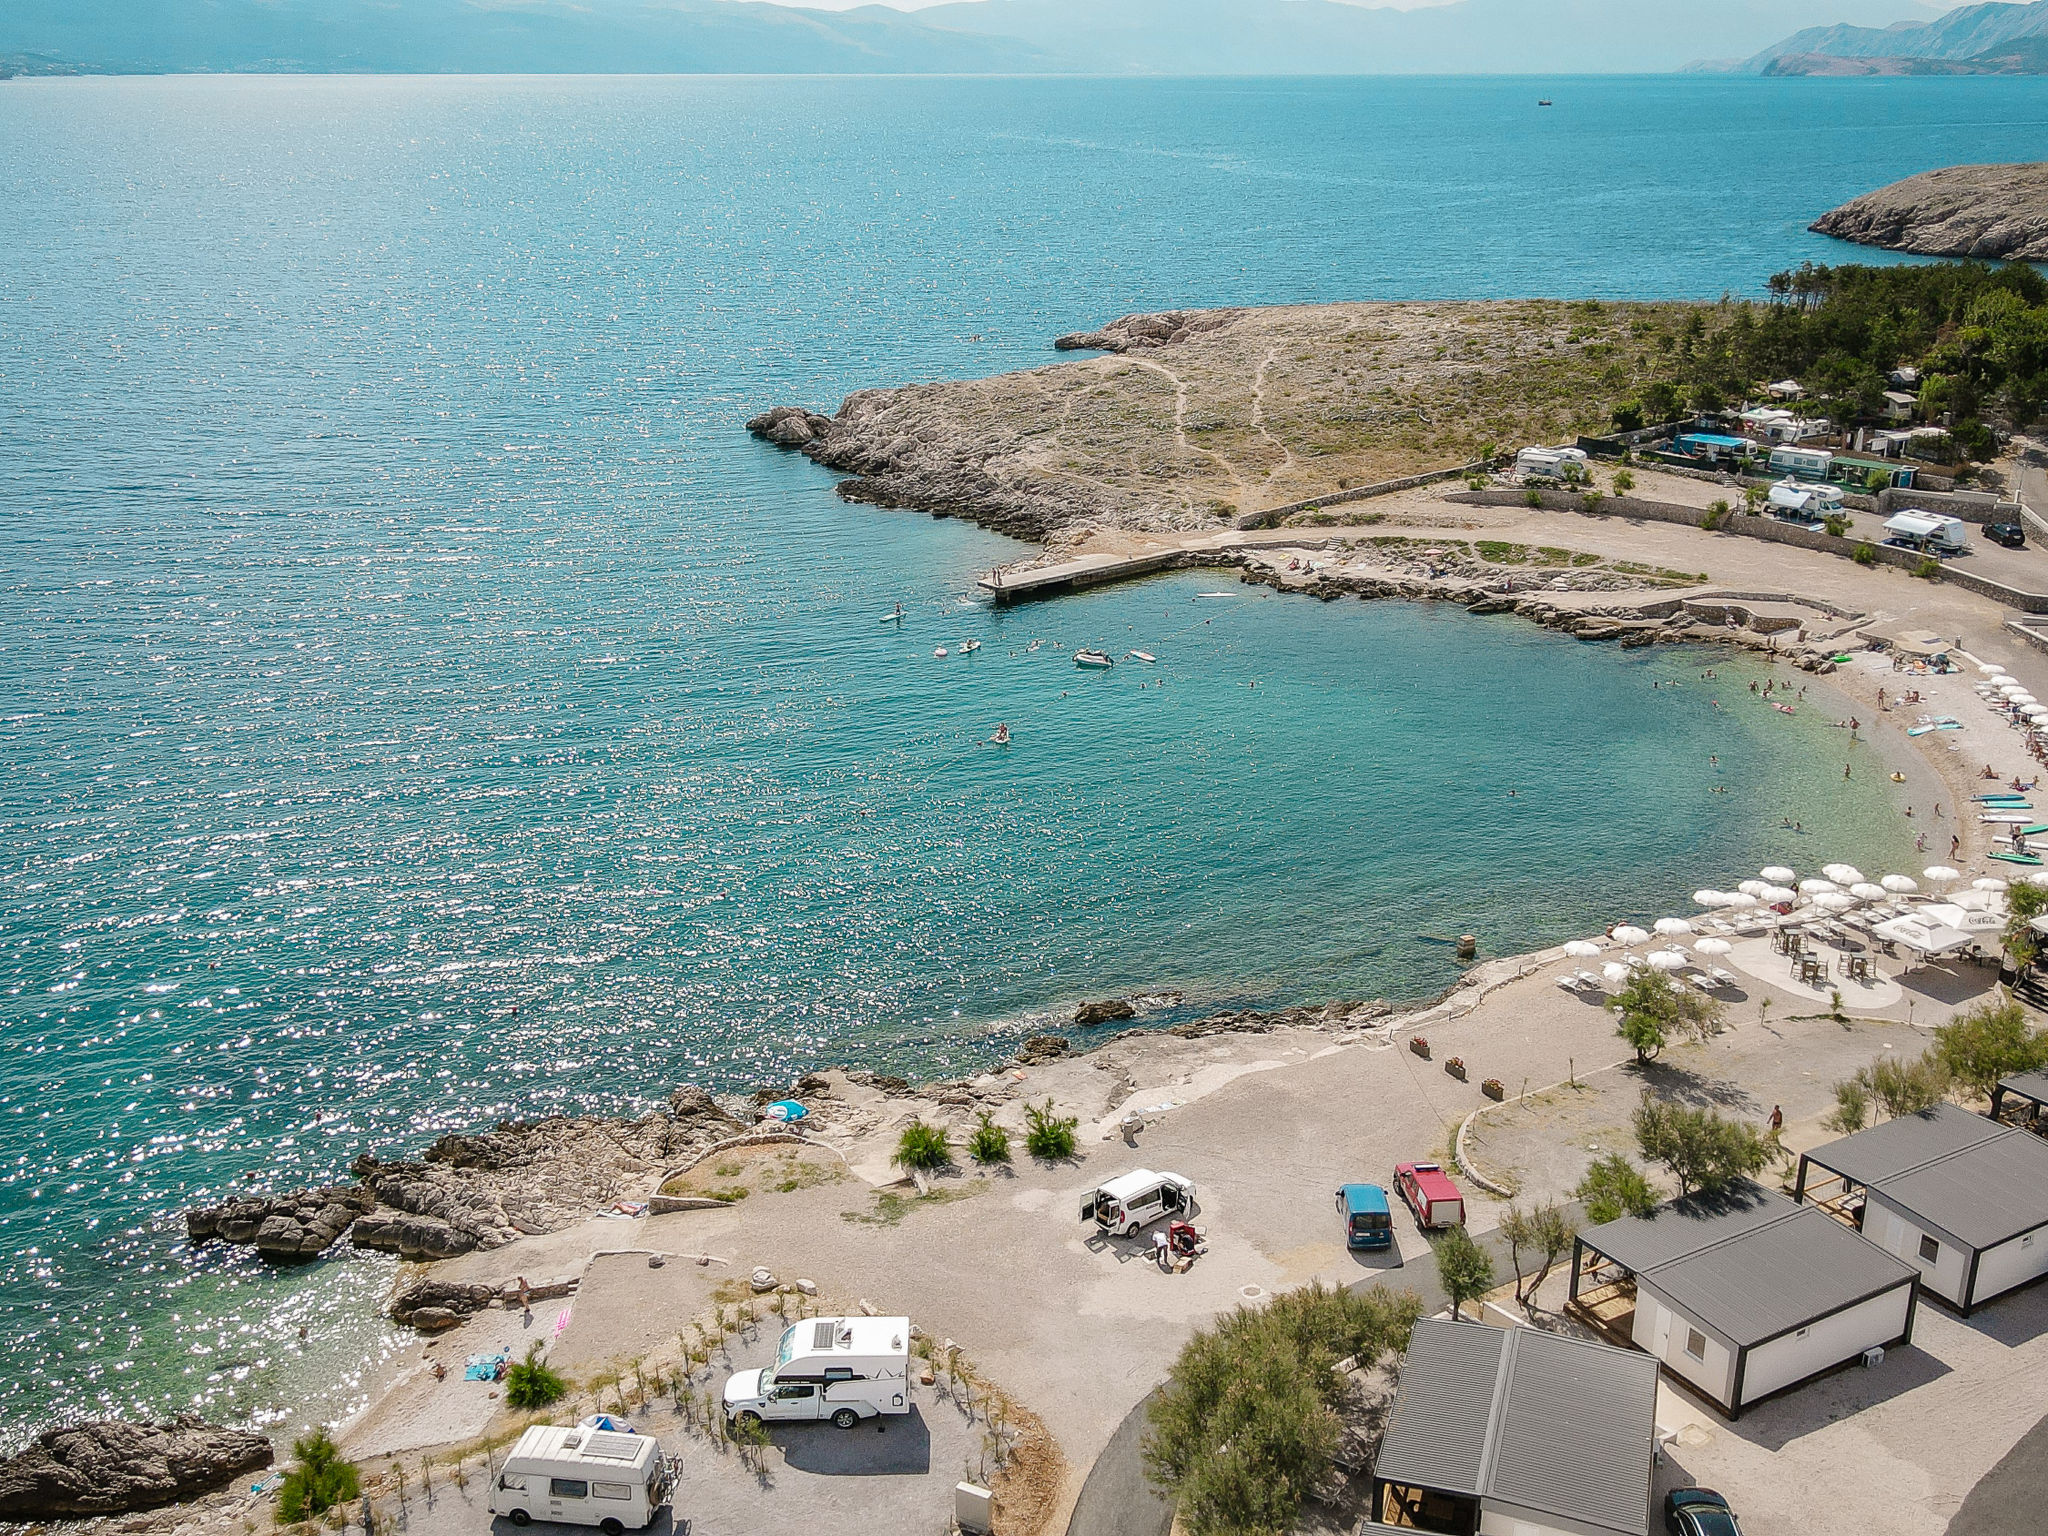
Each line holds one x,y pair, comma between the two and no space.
421,702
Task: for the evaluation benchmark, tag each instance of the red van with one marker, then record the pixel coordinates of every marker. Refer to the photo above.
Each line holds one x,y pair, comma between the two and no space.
1430,1194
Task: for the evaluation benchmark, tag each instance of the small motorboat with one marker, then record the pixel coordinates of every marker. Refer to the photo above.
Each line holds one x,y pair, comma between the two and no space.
1543,101
1096,659
969,647
1145,656
940,653
1001,737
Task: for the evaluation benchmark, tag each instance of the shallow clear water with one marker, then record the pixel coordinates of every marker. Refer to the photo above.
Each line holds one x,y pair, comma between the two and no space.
421,701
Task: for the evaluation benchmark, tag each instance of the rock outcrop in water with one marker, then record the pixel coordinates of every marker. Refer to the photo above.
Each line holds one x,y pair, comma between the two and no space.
1143,333
1990,212
107,1467
480,1189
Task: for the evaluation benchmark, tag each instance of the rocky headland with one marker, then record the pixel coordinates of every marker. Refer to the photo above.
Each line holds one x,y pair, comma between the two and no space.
1989,212
107,1467
1194,419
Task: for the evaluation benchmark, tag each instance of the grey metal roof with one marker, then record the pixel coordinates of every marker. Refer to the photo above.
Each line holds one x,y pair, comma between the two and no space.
1436,1434
1749,1263
1899,1146
1545,1423
2028,1085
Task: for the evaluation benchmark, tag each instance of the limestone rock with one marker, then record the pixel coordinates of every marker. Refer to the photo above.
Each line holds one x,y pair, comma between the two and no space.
299,1225
107,1467
763,1281
790,426
1039,1049
1105,1012
1989,212
416,1238
431,1305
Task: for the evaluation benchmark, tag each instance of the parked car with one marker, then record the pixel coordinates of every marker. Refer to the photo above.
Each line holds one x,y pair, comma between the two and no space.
1430,1194
1698,1512
1367,1222
2011,535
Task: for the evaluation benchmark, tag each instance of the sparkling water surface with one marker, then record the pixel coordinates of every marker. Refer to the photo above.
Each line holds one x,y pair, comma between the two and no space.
422,703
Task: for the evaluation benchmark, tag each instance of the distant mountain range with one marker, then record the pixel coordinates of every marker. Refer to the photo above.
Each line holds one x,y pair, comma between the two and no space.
1996,39
1164,37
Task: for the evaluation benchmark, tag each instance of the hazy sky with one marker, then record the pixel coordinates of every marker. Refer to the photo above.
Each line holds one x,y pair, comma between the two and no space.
918,5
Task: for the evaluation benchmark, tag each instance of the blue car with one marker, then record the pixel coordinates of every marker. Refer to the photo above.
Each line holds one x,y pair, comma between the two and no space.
1367,1221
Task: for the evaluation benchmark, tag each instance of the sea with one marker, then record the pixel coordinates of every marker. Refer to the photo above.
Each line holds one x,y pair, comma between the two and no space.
422,703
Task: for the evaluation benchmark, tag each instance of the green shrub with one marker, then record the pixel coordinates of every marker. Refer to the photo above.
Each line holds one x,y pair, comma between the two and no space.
921,1147
1533,497
1048,1135
1590,498
990,1143
1877,481
1835,523
1623,481
533,1383
1865,554
317,1481
1928,568
1992,1040
1613,1188
1246,1424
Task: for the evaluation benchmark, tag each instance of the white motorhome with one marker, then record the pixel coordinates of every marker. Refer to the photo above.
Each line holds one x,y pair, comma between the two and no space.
1915,529
1137,1199
840,1368
1789,498
580,1476
1802,463
1552,463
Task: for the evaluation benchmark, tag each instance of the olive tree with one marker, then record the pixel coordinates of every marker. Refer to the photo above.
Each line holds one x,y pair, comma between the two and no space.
1702,1150
1651,1008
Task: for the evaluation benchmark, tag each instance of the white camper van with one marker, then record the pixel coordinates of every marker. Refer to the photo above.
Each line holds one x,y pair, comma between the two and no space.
1932,531
1137,1199
1551,463
840,1368
579,1476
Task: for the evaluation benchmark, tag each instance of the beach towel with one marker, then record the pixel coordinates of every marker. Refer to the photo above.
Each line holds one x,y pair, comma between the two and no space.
561,1321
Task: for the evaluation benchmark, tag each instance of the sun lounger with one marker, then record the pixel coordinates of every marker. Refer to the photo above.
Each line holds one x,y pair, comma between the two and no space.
1726,978
1703,981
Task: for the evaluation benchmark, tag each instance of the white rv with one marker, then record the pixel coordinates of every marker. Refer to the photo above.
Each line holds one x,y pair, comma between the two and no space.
840,1368
1137,1199
1802,463
579,1476
1551,463
1792,500
1914,529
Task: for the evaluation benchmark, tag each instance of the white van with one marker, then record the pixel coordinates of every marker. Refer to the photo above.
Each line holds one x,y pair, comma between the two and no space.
578,1476
1136,1200
840,1368
1914,529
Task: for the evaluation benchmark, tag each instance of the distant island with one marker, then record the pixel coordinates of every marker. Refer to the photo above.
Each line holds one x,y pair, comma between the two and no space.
1990,212
1988,39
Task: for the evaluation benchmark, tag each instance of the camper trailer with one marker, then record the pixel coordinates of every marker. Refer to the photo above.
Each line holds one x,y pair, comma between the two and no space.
1930,531
1802,463
840,1368
582,1476
1551,463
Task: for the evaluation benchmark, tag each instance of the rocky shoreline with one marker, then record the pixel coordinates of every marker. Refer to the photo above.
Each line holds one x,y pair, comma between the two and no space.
1985,212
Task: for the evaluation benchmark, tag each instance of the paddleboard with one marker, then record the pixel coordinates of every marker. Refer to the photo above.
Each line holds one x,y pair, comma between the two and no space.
892,618
2004,819
1144,655
2017,858
1215,594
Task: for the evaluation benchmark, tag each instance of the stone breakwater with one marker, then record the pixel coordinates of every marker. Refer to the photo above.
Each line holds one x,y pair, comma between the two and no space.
1989,212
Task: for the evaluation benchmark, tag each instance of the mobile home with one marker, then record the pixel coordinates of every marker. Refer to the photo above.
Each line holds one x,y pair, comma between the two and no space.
840,1368
1802,463
582,1476
1933,531
1551,463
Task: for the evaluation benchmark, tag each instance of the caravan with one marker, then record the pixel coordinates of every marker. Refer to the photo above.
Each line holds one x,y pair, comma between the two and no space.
1802,463
1796,503
1930,531
1552,464
582,1476
840,1368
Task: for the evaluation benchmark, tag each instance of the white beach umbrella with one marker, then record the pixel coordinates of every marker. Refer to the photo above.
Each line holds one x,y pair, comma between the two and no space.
1753,888
1817,887
1941,874
1864,890
1710,898
1842,874
1628,935
1670,927
1899,884
1777,874
1741,901
2000,675
1582,949
1834,901
1615,973
1713,946
2022,699
1988,883
2034,711
1776,895
1667,959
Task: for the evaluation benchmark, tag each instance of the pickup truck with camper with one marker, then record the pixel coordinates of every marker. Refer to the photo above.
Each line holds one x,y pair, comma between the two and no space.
1430,1194
844,1369
582,1476
1137,1199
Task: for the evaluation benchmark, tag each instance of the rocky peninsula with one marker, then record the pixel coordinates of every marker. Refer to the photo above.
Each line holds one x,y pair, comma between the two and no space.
1196,419
1988,212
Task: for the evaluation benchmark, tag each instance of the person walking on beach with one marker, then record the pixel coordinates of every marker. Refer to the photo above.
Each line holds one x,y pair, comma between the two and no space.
1777,1119
1955,847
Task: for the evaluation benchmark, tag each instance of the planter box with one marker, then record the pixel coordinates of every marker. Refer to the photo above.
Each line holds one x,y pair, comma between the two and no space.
1420,1047
1492,1089
1456,1068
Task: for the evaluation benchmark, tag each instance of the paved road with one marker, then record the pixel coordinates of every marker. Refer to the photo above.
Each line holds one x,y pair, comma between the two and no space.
1116,1500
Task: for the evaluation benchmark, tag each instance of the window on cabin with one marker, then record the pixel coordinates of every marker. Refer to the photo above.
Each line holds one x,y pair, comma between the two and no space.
1930,1250
1695,1343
